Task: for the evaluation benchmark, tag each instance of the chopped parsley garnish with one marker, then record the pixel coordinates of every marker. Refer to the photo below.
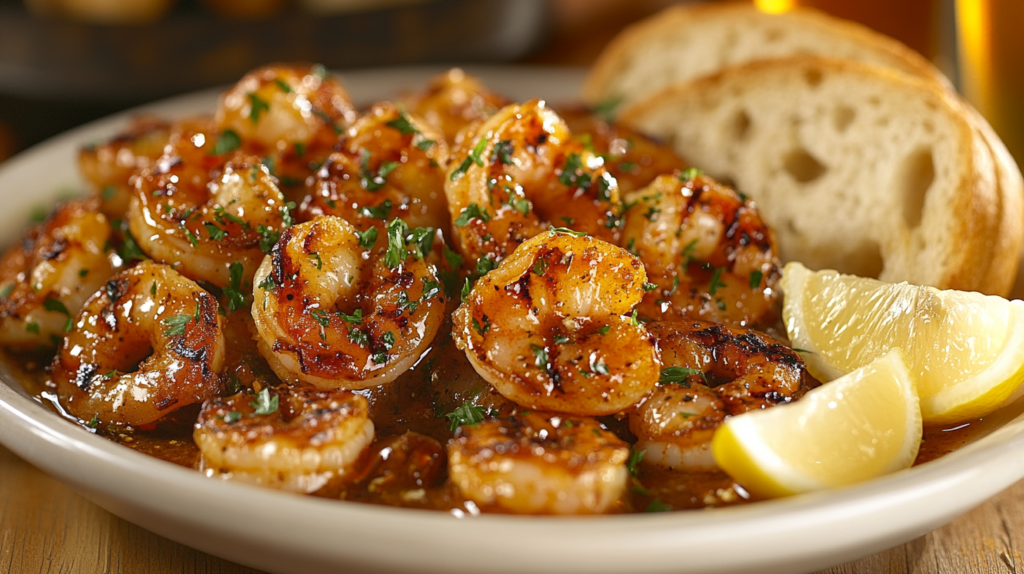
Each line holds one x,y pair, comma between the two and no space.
540,266
233,416
94,422
38,214
677,375
474,157
367,238
648,287
431,289
689,174
422,241
237,298
716,281
356,318
606,109
380,211
396,253
470,212
657,506
604,185
502,152
520,204
604,330
6,291
320,316
108,192
482,328
688,251
315,257
560,339
467,287
130,249
192,239
358,337
56,306
176,324
216,233
32,327
373,181
228,140
568,231
258,106
286,214
268,284
635,458
484,265
403,125
569,175
425,144
454,259
265,403
468,414
755,279
541,355
283,85
268,237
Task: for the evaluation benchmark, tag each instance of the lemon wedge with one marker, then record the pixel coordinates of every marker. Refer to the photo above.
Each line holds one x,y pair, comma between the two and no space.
966,350
860,426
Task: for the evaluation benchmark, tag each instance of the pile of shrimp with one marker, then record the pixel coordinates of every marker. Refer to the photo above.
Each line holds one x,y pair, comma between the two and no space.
450,301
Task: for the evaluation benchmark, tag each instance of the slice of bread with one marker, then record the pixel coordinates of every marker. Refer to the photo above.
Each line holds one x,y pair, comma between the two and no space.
857,167
686,42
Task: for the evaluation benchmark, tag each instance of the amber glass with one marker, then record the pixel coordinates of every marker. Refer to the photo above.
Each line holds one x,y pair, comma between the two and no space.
991,44
913,22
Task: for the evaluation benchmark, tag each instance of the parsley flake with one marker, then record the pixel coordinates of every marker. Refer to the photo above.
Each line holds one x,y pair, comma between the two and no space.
403,125
176,324
265,403
257,107
468,414
470,212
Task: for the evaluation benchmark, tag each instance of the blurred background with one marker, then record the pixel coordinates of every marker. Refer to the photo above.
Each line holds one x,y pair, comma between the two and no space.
65,62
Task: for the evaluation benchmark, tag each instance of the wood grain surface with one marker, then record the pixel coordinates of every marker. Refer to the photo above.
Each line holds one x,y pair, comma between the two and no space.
46,527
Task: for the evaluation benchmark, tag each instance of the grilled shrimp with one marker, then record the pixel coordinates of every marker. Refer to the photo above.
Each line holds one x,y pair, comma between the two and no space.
390,164
633,159
454,100
292,439
47,276
706,248
517,172
200,213
712,372
550,330
108,167
274,108
539,463
147,344
338,309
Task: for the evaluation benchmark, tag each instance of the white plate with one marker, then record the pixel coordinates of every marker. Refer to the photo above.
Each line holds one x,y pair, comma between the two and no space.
287,533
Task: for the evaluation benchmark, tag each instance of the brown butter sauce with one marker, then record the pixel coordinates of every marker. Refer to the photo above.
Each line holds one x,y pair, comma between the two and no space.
406,465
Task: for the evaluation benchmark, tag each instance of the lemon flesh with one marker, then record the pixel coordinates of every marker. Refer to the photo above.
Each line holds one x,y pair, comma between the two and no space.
860,426
966,350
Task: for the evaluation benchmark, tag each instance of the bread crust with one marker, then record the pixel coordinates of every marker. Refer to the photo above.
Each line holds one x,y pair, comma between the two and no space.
981,220
598,86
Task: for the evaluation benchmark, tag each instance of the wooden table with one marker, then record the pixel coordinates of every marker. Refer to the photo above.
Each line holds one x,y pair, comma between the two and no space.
47,527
